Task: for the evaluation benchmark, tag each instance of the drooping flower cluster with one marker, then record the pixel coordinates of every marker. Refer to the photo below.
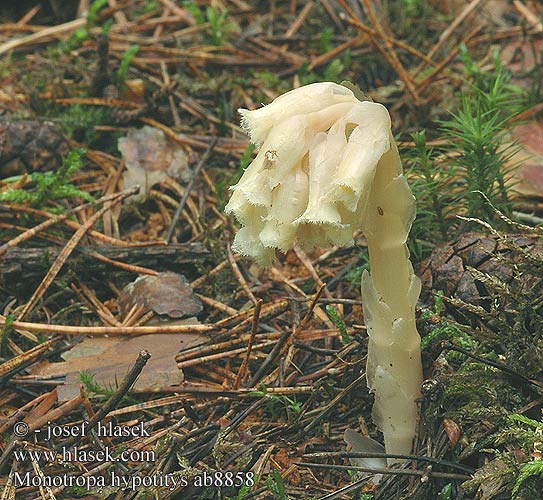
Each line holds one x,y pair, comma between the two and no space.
310,182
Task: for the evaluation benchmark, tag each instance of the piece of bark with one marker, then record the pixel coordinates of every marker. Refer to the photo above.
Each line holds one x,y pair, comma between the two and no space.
24,266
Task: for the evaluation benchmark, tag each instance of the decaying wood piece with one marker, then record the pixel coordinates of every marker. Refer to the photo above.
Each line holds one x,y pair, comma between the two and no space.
21,265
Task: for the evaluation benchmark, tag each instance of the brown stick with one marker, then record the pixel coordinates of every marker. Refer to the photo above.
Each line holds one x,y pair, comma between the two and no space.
243,368
49,222
107,330
431,77
237,273
27,264
529,15
24,358
51,31
56,413
302,16
118,395
179,208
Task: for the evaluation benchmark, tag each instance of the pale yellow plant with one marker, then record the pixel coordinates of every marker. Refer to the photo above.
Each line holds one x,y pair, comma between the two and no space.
328,166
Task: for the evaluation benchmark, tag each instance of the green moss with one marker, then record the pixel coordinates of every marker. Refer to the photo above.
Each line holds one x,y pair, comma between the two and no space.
475,158
50,186
79,121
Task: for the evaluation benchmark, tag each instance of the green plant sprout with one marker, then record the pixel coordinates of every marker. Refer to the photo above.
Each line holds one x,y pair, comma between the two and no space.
275,484
243,491
219,26
122,73
446,329
530,469
194,11
477,133
445,493
82,34
217,22
79,122
94,9
275,403
325,40
334,316
431,183
4,334
88,379
334,71
354,274
534,467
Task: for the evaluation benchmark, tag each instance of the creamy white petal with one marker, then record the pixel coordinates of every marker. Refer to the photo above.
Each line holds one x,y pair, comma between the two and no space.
249,244
324,157
289,198
340,235
236,205
245,212
368,125
328,118
310,236
279,235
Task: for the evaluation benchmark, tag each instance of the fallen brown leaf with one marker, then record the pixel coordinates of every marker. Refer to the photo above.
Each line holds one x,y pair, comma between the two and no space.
109,359
452,429
168,293
150,158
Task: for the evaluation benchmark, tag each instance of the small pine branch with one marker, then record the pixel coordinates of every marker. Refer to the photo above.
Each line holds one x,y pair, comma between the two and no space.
534,468
516,417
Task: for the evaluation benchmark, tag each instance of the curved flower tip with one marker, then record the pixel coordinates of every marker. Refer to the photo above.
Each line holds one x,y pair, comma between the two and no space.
247,243
300,101
310,182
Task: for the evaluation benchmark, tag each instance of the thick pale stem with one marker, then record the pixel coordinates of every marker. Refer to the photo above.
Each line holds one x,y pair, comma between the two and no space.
390,293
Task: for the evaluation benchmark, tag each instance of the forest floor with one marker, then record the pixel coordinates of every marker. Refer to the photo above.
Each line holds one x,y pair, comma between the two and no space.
140,358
